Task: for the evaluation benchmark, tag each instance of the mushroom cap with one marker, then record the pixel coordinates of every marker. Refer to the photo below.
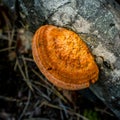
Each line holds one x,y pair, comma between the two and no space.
63,58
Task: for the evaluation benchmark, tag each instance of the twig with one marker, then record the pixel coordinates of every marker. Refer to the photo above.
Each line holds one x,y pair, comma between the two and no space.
10,38
77,114
28,59
60,108
7,49
57,93
41,93
41,78
64,108
104,111
26,69
9,99
26,106
23,75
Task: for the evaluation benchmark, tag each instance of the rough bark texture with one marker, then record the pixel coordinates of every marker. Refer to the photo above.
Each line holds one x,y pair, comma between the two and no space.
98,23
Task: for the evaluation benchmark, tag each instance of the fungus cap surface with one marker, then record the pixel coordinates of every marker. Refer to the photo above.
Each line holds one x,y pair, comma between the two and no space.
64,58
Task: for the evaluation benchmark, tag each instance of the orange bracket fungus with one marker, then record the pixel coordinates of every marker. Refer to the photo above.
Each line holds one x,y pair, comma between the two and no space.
64,58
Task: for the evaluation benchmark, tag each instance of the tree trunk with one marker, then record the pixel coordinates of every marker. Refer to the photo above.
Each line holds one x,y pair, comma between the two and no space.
98,23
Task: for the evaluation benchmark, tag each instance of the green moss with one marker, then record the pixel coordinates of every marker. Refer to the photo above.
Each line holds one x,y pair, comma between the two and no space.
91,114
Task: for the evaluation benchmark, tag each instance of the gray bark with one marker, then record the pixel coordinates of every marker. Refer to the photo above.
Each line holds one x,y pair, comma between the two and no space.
98,23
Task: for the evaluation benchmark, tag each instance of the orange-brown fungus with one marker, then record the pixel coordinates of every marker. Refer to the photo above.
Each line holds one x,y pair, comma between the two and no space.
64,58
